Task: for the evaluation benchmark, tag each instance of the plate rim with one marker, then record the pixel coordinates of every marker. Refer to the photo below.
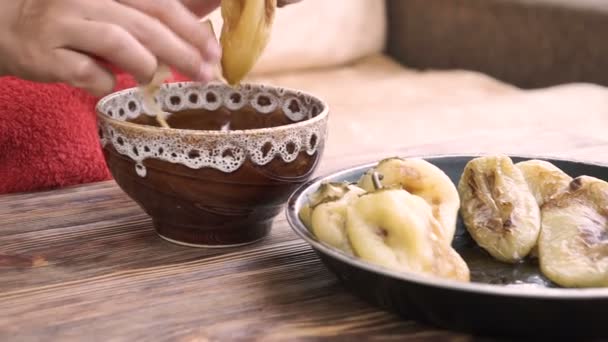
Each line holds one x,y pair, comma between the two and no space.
296,199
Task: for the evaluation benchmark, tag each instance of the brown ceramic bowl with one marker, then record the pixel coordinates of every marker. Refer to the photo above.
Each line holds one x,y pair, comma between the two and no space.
204,185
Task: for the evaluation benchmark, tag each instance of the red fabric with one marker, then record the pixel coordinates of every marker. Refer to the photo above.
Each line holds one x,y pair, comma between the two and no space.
48,135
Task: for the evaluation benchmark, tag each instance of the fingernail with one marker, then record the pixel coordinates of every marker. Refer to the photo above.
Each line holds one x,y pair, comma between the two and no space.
214,51
205,74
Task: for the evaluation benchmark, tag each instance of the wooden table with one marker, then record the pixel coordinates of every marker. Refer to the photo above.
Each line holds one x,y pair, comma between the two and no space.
84,264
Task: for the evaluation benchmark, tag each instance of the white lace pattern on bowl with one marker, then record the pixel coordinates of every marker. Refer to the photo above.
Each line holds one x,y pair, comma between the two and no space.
226,151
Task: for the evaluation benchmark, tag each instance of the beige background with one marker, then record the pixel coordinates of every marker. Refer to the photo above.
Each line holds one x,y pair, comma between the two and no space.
379,105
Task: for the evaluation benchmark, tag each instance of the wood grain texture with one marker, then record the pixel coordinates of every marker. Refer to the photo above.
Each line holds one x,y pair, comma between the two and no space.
84,263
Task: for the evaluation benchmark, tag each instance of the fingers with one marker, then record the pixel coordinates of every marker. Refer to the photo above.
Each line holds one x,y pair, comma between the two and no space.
67,40
113,44
81,71
178,39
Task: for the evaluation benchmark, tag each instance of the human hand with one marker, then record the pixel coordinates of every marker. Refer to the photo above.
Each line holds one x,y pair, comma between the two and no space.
70,40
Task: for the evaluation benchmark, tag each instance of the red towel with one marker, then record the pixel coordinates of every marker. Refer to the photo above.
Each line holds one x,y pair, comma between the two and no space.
48,135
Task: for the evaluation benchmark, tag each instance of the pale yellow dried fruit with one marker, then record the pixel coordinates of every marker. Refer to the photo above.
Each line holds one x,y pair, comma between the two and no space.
421,178
397,230
573,243
498,208
328,218
245,34
544,179
327,192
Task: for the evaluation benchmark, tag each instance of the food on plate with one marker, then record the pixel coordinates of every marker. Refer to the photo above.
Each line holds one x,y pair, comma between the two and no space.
379,221
326,192
397,213
397,230
325,216
498,209
245,33
544,179
573,243
421,178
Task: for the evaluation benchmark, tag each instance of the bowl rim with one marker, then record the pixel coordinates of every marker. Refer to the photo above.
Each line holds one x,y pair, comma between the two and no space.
202,133
296,200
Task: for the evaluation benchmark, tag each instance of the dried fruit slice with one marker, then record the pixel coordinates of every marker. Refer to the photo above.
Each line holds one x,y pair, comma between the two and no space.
544,179
573,243
245,34
423,179
498,208
328,219
397,230
327,192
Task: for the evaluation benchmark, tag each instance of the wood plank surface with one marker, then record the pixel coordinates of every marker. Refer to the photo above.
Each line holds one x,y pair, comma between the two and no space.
83,263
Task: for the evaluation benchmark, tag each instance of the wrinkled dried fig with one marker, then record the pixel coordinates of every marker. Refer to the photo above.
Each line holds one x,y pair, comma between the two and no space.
423,179
327,192
325,213
544,179
498,208
397,230
573,243
245,34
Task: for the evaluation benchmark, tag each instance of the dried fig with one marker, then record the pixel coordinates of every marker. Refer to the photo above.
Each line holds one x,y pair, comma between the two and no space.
397,230
573,243
544,179
245,33
325,213
498,209
423,179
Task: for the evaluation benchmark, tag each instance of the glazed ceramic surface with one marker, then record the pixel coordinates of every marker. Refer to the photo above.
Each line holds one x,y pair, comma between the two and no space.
226,166
501,299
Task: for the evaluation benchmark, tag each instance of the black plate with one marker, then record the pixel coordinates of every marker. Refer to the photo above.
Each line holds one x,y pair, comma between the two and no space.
500,300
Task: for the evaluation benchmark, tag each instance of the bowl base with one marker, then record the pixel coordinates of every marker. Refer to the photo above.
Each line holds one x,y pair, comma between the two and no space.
195,245
206,235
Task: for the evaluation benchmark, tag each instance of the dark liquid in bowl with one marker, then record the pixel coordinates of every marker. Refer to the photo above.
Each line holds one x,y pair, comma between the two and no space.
220,119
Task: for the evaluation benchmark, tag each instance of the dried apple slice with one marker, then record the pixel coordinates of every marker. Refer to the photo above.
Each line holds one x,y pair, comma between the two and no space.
544,179
397,230
326,192
423,179
573,243
498,208
245,33
328,218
